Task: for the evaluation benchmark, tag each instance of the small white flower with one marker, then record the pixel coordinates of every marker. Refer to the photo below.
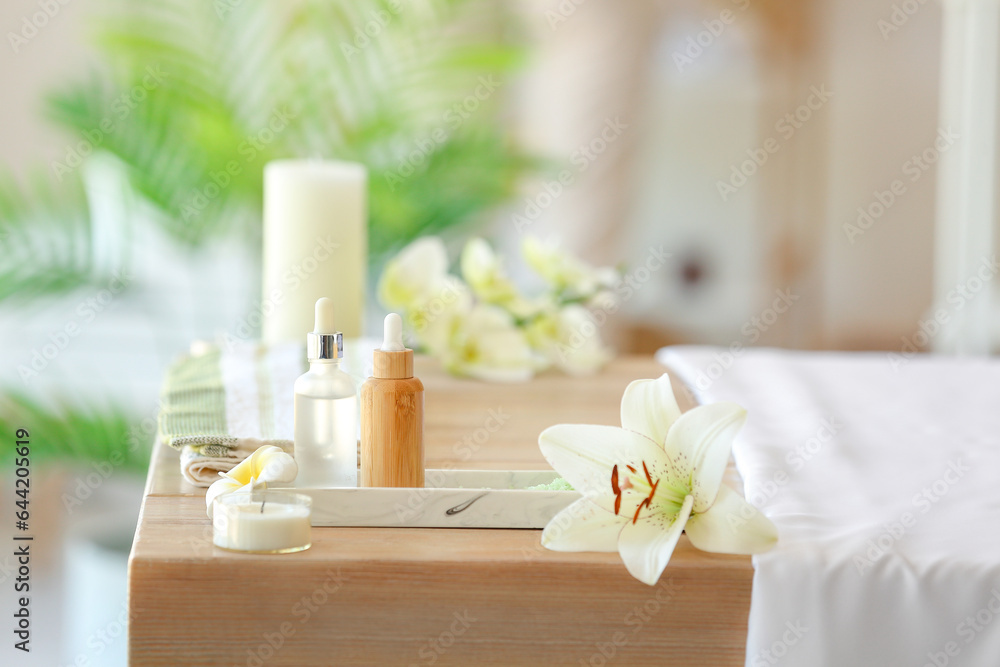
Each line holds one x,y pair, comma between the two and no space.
658,475
416,275
569,339
481,343
220,487
483,271
564,272
484,327
268,463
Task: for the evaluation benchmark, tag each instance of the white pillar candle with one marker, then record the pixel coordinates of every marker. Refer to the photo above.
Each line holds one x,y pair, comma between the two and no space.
315,245
262,522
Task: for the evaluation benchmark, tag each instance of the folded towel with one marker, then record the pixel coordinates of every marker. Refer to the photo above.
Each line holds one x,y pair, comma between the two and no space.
219,404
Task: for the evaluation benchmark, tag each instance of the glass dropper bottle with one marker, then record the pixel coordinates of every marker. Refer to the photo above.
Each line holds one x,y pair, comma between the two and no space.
326,426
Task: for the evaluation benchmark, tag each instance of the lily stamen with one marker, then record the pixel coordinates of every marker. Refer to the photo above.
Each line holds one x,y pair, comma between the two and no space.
616,489
649,478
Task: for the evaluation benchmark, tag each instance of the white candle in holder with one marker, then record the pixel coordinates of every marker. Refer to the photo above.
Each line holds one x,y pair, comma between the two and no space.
315,245
264,521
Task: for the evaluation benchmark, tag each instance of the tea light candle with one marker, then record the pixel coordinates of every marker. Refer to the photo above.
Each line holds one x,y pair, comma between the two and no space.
264,521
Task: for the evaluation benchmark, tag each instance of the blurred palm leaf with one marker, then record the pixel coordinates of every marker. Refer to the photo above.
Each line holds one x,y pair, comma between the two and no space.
74,434
194,91
44,238
187,107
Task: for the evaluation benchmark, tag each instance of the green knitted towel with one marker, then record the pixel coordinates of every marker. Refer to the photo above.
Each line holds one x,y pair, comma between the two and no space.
219,404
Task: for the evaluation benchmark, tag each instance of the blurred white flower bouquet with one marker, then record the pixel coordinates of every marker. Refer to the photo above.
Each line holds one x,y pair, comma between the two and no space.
482,326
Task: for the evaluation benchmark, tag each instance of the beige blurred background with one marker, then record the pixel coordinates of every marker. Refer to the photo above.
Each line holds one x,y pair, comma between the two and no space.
687,124
648,128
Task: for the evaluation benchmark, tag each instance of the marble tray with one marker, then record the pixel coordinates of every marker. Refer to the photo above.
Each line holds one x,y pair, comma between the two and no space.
450,499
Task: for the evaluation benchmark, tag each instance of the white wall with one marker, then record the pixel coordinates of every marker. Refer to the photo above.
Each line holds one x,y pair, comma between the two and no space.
690,127
885,111
29,70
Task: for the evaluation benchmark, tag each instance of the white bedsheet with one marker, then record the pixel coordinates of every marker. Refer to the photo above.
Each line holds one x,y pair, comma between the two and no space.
884,483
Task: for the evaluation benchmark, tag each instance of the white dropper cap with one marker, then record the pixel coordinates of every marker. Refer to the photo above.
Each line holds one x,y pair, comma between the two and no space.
324,316
392,337
324,342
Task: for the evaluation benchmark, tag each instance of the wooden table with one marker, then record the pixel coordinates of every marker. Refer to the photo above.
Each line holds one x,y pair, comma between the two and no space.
423,596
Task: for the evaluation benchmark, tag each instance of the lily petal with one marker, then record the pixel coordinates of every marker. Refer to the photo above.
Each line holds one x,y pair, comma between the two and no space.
583,526
650,408
732,526
586,454
647,545
699,443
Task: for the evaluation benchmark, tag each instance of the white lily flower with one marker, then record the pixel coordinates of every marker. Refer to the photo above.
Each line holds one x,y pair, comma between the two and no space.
563,271
268,463
658,475
417,274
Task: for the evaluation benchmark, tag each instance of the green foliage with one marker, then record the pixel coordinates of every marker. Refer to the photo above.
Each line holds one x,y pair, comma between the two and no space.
195,96
74,434
44,238
196,87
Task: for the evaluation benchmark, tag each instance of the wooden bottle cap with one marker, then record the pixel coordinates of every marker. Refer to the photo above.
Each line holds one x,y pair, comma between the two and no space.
393,365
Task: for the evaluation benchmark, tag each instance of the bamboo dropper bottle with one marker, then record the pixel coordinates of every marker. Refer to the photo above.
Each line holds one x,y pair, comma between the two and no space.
392,415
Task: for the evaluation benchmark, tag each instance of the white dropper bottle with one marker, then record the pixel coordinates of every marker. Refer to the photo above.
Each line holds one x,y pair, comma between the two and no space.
326,412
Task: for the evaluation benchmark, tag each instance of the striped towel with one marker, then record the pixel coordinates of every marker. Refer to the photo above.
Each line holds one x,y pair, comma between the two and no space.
219,404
